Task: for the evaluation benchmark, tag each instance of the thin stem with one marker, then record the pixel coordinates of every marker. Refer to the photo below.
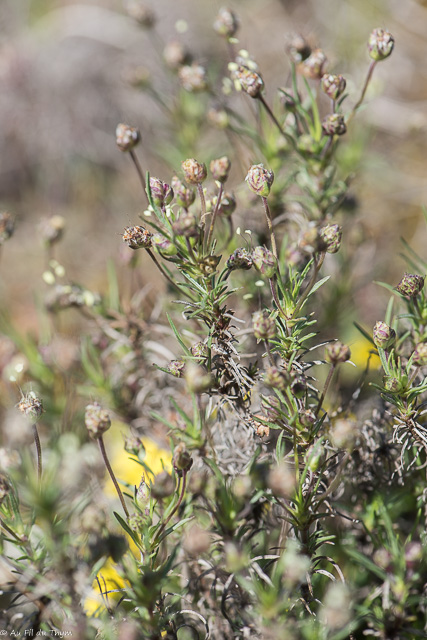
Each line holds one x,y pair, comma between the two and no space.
112,476
270,226
325,387
162,271
139,171
365,87
270,113
202,202
269,354
214,215
178,504
39,451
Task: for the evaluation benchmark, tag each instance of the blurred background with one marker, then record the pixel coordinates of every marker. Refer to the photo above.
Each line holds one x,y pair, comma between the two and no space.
67,70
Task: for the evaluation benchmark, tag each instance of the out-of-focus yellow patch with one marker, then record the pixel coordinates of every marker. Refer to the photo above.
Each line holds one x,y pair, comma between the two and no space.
361,350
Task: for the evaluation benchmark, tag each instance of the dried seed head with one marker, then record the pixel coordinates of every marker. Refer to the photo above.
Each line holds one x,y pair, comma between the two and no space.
127,137
4,487
161,192
282,480
227,206
264,261
194,172
260,180
420,354
163,486
262,430
297,48
410,285
163,245
277,379
7,226
218,118
333,86
313,66
264,325
181,459
176,368
97,420
186,226
175,55
331,236
226,23
193,77
334,125
137,237
134,445
240,259
337,352
220,168
52,229
200,350
383,335
380,44
31,406
250,81
184,196
141,13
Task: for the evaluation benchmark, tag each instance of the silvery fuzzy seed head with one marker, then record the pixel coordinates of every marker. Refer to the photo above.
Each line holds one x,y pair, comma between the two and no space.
52,229
31,406
383,335
140,12
218,118
264,325
410,285
184,196
127,137
334,125
331,235
313,66
227,206
186,226
137,237
161,192
7,226
380,44
97,420
164,245
163,486
297,48
181,459
240,259
260,180
200,350
250,81
176,368
226,23
337,352
334,86
175,55
220,168
264,261
193,77
194,172
420,354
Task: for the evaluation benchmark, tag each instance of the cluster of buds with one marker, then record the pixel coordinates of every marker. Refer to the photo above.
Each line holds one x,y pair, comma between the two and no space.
260,180
380,44
176,368
264,261
200,350
383,335
264,325
137,237
313,66
31,406
297,48
250,81
410,285
161,192
226,23
331,235
127,137
333,85
184,196
193,77
337,352
97,420
220,169
194,172
240,259
334,125
181,459
7,226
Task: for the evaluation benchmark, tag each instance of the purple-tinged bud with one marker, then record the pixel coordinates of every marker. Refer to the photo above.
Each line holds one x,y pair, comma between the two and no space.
193,77
7,226
240,259
136,521
410,285
176,368
313,66
137,237
264,325
220,168
297,48
181,459
227,206
175,55
200,350
31,406
380,44
184,196
334,125
218,118
383,335
277,379
4,487
394,384
127,137
299,387
260,180
331,236
163,245
264,261
250,81
163,486
333,86
337,352
52,229
307,418
143,494
134,445
161,192
186,226
194,172
420,354
271,406
226,23
140,12
97,420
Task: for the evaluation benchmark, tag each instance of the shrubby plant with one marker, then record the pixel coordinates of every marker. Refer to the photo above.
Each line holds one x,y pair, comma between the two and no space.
285,508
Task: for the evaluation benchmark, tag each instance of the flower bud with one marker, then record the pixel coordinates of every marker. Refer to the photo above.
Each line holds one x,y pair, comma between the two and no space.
277,379
52,229
380,44
315,456
186,226
193,77
264,261
218,118
184,196
194,172
297,48
163,486
220,168
31,406
394,384
226,23
333,86
313,66
250,81
136,521
97,420
410,285
127,137
137,237
331,236
337,352
134,445
334,125
140,12
181,459
163,245
161,192
383,335
209,265
264,325
4,487
299,387
7,226
200,350
176,368
227,206
259,180
175,55
307,418
143,494
240,259
420,354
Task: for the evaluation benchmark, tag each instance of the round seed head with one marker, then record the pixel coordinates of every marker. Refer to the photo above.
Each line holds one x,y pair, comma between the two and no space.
333,86
410,285
264,261
380,44
264,325
137,237
220,168
297,48
184,196
194,172
127,137
260,180
307,418
337,352
97,420
334,125
193,77
240,259
250,81
31,406
226,23
383,335
181,459
161,192
313,66
331,236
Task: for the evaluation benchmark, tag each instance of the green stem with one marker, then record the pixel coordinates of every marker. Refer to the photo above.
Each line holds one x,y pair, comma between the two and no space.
317,266
270,227
39,452
112,476
325,387
214,215
365,87
178,504
202,203
139,172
